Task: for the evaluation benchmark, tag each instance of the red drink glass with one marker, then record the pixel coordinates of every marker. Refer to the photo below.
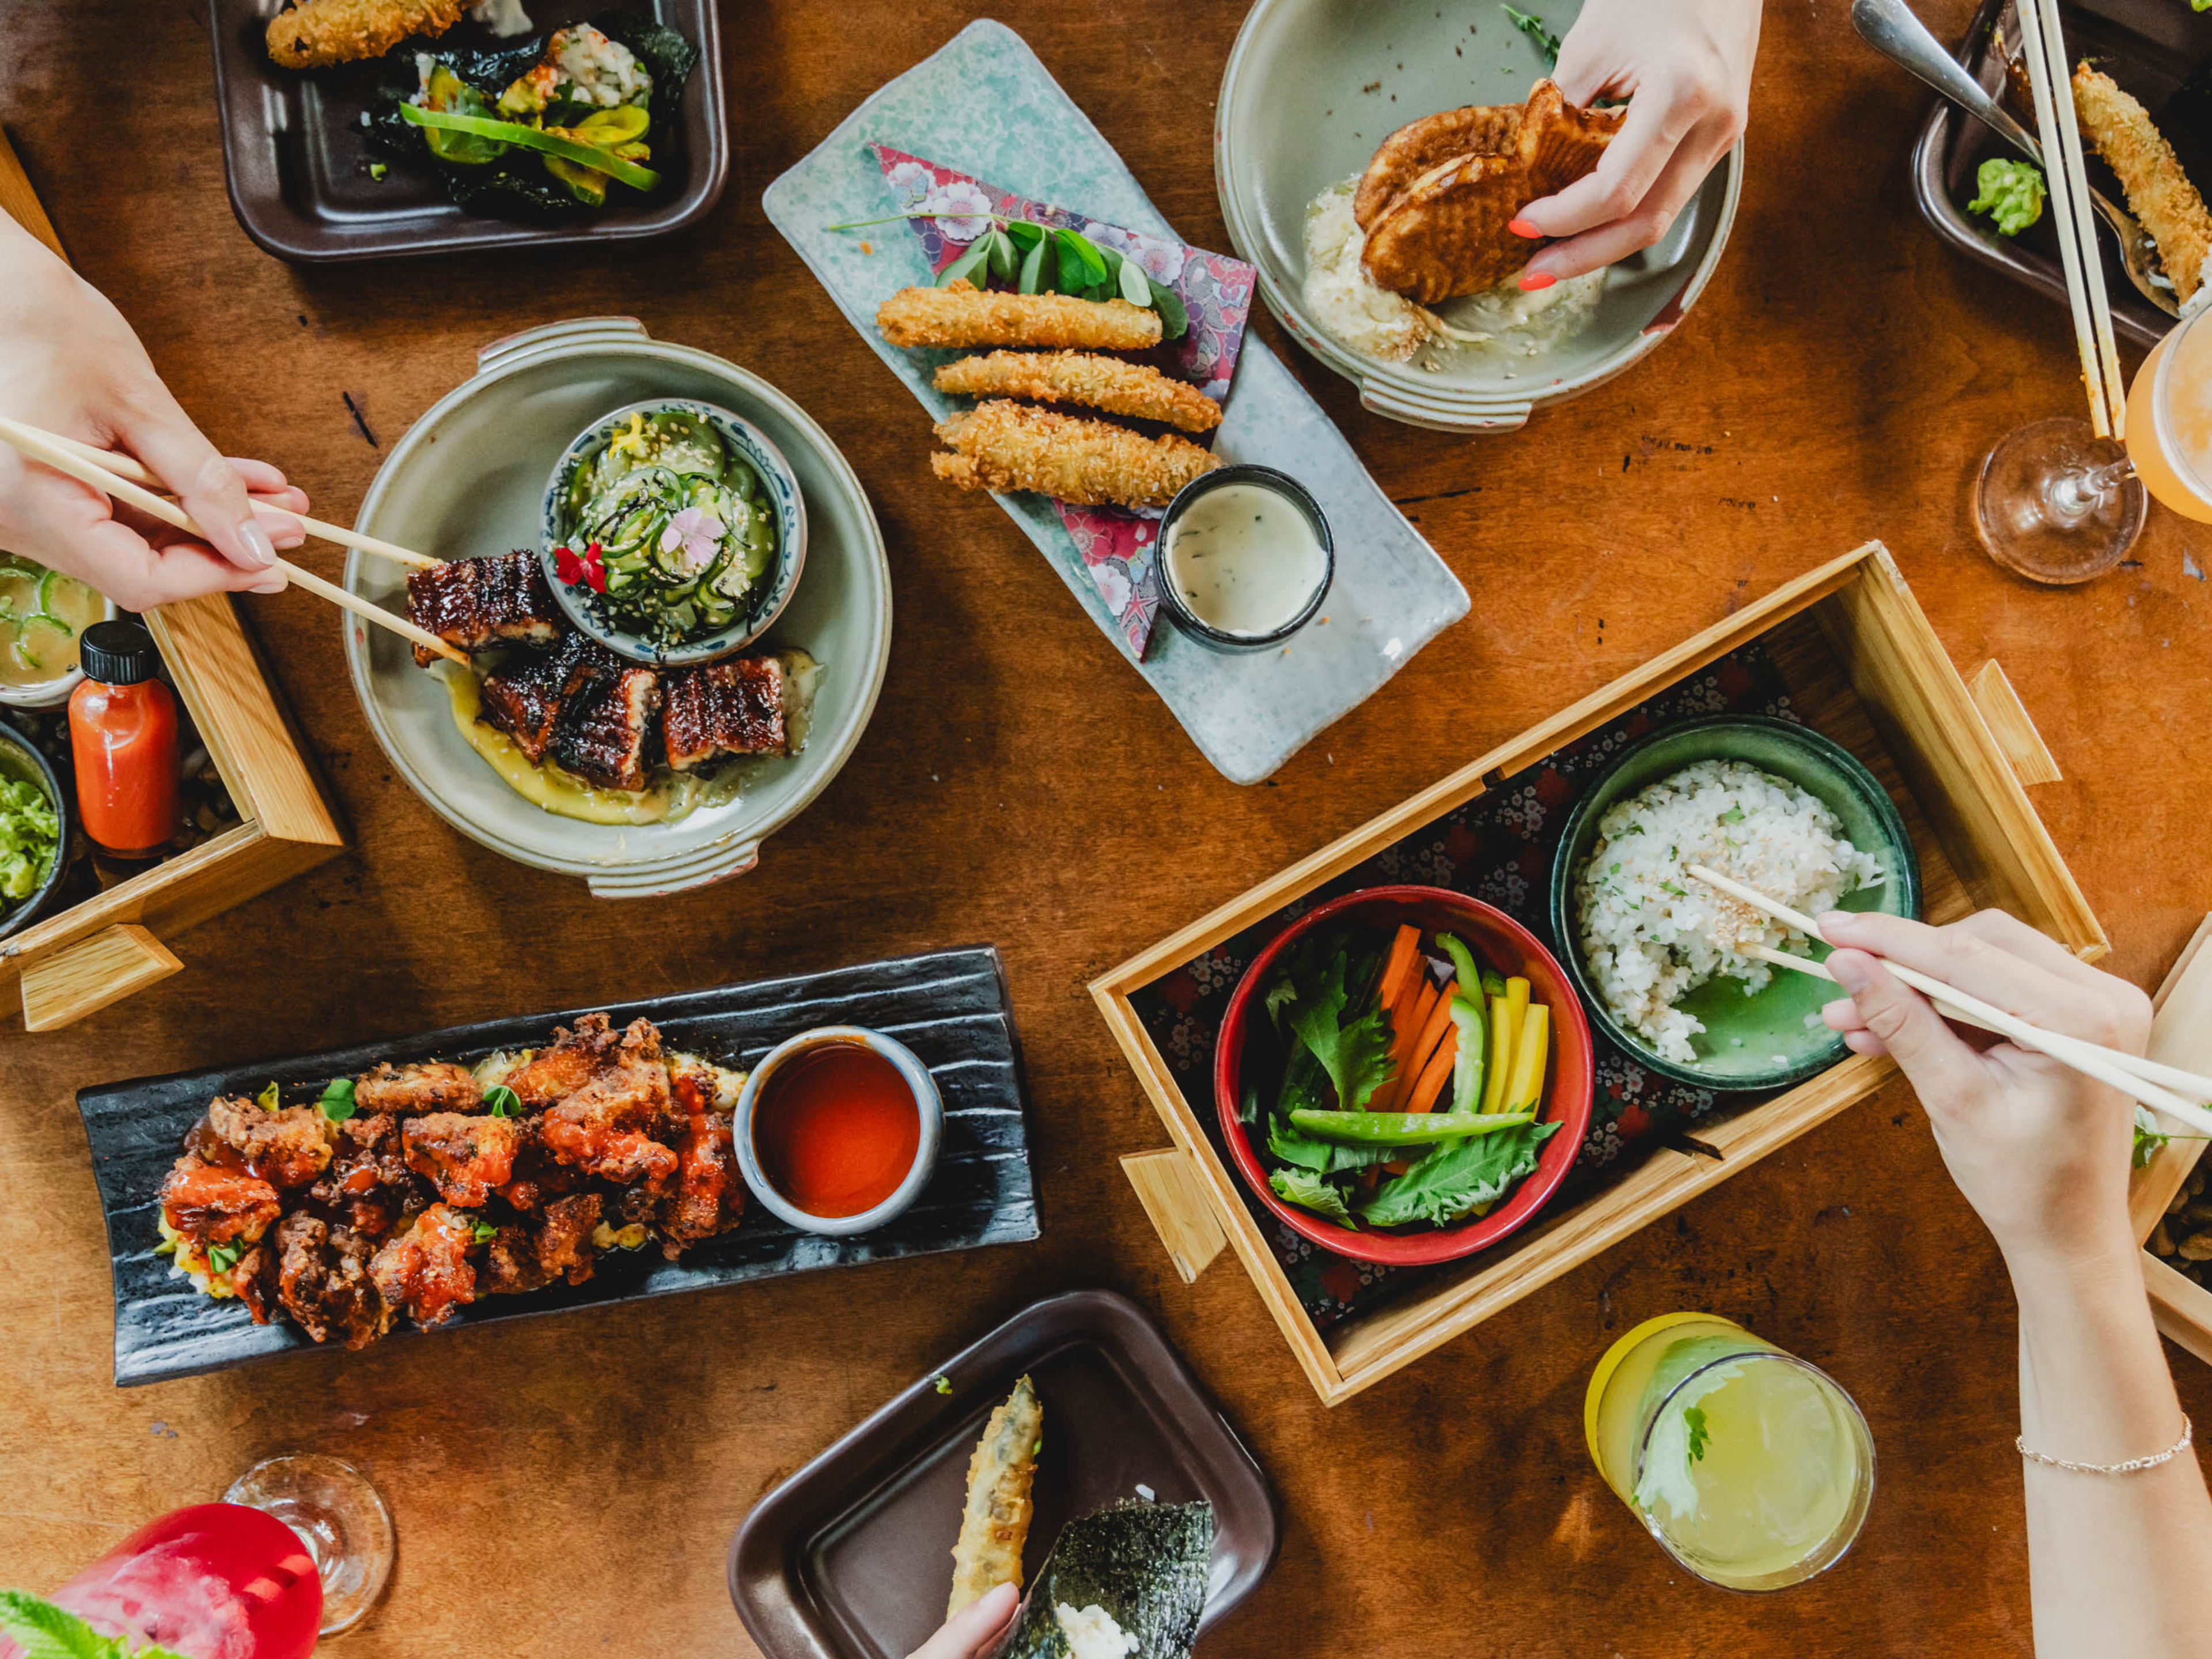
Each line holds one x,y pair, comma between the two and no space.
216,1580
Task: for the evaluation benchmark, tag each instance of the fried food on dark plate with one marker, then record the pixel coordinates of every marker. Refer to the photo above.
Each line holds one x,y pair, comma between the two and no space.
1136,390
317,33
2158,189
962,315
1006,445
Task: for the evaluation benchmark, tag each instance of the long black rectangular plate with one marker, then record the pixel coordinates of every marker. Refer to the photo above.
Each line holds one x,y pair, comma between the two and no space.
950,1006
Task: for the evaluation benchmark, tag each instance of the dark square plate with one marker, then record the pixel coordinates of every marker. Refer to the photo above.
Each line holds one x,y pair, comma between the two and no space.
949,1006
298,159
2152,48
852,1556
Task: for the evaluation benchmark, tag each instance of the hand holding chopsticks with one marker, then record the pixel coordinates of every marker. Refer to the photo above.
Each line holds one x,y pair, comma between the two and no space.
2144,1080
67,455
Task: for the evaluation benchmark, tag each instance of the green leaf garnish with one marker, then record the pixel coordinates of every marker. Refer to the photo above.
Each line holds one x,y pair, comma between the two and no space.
483,1231
268,1099
1532,26
1031,279
337,1100
1004,261
1310,1192
971,266
44,1631
223,1257
943,1384
1694,1419
502,1101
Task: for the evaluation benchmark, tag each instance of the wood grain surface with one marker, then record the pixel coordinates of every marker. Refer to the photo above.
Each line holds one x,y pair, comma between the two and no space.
569,1486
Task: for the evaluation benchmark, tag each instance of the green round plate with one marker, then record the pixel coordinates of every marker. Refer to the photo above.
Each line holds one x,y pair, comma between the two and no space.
1762,1039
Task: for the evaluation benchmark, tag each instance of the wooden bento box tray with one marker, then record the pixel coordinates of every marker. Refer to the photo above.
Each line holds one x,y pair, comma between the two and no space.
102,949
2181,1035
1862,665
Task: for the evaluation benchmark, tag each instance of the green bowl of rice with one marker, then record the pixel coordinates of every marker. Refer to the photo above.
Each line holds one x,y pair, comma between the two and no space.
1657,954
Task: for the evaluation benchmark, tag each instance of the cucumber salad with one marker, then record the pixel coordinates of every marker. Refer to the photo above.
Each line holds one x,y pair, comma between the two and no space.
669,531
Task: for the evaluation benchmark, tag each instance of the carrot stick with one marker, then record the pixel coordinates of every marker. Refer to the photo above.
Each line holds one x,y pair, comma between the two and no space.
1408,1021
1432,1030
1436,1078
1398,965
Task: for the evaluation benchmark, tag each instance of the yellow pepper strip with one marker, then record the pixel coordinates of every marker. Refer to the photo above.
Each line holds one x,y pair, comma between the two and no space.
1531,1053
1502,1033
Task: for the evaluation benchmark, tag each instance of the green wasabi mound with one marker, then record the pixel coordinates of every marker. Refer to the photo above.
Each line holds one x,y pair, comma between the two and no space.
2011,193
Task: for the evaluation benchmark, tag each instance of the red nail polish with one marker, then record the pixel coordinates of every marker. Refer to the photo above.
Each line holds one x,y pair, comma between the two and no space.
1533,281
1522,227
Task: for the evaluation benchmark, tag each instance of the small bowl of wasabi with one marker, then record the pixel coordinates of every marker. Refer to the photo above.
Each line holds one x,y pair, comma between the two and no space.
34,829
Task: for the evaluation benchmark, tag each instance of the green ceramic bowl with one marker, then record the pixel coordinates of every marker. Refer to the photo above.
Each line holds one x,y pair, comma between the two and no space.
1760,1041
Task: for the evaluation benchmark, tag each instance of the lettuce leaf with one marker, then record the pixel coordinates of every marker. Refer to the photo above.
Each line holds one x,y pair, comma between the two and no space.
1450,1181
1309,1191
1356,1056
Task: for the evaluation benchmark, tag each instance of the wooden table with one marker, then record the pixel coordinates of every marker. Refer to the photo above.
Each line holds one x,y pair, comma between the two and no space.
569,1485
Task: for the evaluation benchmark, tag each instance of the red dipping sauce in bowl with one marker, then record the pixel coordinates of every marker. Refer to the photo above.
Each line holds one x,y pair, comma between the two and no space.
837,1130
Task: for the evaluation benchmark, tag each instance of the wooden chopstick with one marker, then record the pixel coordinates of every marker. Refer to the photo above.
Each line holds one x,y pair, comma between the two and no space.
40,446
2068,187
135,471
2108,1065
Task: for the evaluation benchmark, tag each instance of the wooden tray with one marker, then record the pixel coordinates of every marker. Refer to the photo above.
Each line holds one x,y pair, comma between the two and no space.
2180,1036
1864,667
851,1557
949,1006
99,951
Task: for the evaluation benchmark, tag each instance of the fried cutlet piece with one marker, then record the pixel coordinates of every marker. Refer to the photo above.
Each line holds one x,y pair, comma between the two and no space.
426,1270
1136,390
501,598
609,1126
217,1203
607,709
2158,190
288,1147
323,1281
1005,445
430,1085
566,1064
316,34
463,1156
963,315
730,707
1477,129
709,1196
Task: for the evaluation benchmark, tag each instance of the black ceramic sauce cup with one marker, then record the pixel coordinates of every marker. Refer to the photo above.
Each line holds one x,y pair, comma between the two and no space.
1278,483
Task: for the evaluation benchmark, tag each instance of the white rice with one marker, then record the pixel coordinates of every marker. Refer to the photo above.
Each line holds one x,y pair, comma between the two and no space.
1092,1633
1652,933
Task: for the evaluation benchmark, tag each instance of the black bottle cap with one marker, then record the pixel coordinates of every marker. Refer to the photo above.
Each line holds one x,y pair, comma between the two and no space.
117,653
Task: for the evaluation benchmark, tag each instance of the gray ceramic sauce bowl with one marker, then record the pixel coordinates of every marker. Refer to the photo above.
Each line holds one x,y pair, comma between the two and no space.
19,759
1282,485
927,1100
778,582
1762,1041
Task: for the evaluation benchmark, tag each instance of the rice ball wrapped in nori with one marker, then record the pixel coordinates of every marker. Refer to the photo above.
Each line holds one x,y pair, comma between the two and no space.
1144,1566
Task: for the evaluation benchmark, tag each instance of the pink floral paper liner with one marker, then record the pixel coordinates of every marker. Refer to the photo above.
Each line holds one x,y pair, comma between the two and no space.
1116,547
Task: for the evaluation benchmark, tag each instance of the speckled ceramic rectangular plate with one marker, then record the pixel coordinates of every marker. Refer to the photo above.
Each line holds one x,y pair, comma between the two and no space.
984,104
949,1006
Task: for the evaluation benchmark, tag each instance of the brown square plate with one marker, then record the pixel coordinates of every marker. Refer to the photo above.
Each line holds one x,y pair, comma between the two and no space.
852,1556
298,158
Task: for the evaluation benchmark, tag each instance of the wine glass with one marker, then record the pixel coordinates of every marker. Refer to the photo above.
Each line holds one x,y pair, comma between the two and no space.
339,1516
2057,503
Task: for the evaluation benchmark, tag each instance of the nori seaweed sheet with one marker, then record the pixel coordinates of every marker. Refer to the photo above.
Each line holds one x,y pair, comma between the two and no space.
518,184
1147,1563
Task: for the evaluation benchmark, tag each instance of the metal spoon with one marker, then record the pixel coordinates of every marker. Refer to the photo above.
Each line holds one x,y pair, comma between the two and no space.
1893,29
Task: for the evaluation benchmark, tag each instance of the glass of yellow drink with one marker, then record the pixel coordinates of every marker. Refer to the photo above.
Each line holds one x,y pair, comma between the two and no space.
2169,424
1752,1468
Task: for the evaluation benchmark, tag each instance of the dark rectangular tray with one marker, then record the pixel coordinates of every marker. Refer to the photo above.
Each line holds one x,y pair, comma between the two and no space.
298,162
950,1006
852,1556
2150,48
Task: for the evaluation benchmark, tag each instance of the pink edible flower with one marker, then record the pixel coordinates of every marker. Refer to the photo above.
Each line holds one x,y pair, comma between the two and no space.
698,532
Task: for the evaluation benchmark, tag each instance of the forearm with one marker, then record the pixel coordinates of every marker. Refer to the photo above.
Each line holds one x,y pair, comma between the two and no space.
2117,1561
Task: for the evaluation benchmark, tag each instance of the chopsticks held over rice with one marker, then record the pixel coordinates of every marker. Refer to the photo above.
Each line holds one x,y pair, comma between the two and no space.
63,457
2145,1080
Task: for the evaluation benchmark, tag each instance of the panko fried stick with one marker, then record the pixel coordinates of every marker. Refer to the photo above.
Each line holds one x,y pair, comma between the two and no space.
1137,390
2159,192
316,34
995,1522
964,315
1085,462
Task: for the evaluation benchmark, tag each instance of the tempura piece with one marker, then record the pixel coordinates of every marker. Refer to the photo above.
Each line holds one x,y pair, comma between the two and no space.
964,315
995,1524
1086,463
1137,390
316,34
2159,192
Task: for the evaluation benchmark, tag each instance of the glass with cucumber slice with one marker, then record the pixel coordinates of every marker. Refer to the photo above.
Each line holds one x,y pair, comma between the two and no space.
684,528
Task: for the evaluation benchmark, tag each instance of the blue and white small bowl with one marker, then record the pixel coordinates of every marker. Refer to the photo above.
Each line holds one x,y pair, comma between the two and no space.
926,1102
779,582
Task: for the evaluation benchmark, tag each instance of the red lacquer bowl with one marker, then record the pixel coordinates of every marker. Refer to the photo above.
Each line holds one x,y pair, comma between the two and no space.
1504,945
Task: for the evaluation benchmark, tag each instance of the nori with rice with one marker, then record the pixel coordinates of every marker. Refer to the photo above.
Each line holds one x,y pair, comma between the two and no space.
1147,1563
517,183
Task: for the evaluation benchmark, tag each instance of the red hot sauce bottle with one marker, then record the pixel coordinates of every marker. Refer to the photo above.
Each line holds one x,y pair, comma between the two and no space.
122,736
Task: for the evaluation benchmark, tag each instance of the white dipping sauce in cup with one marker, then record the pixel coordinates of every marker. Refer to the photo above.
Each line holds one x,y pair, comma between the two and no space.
1244,559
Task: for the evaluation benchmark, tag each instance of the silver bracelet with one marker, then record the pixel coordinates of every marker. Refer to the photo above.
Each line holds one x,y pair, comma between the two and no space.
2133,1465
